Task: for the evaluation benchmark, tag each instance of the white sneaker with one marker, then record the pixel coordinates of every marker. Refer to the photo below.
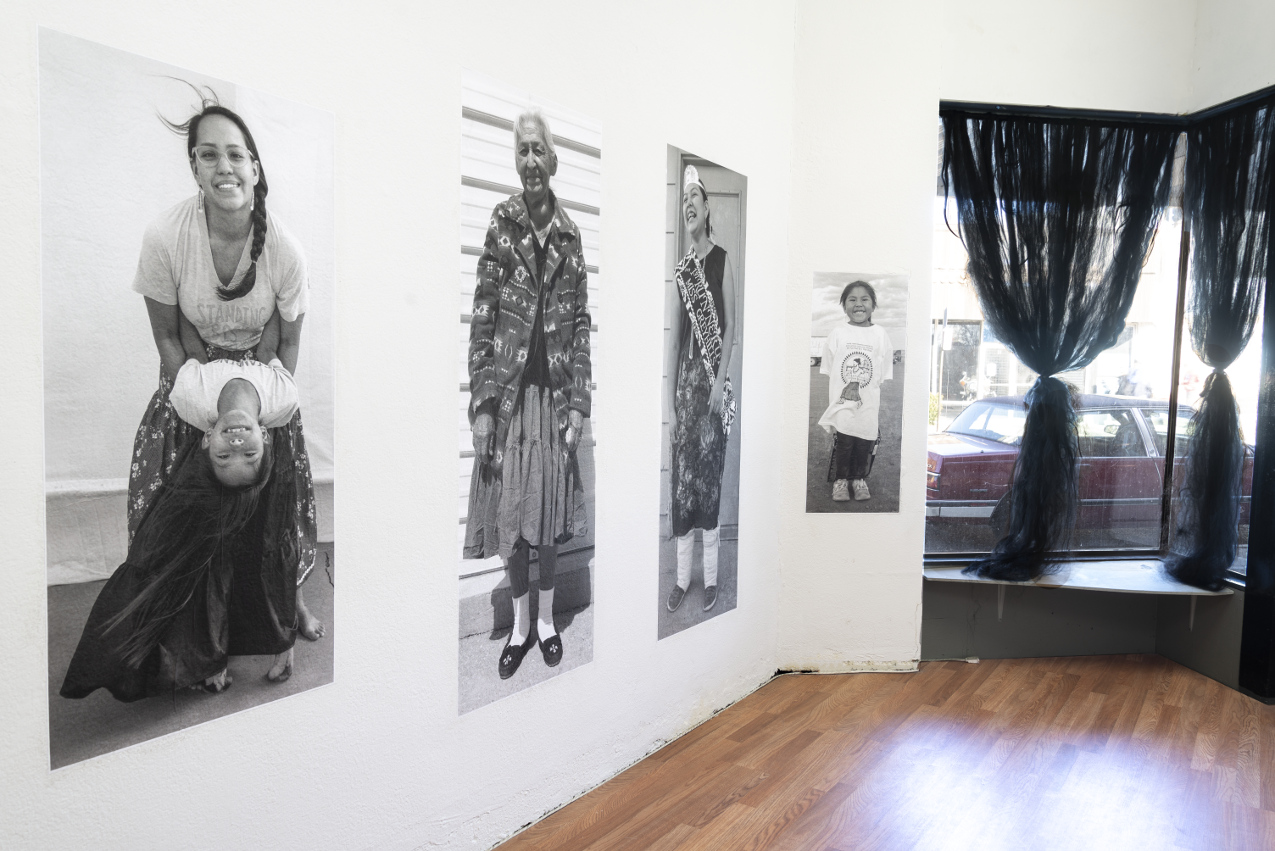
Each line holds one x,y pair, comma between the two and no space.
861,490
841,490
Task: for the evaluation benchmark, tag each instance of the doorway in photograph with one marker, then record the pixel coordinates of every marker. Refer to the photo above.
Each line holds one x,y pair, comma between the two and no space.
702,397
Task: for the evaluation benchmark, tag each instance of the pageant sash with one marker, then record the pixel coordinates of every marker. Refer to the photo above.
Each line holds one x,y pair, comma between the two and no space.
693,288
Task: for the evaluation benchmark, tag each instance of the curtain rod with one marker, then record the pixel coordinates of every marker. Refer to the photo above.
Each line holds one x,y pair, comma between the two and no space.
1106,116
1233,103
1109,116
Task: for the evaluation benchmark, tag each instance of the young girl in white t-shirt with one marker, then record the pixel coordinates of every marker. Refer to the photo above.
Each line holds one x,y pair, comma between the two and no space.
857,358
234,402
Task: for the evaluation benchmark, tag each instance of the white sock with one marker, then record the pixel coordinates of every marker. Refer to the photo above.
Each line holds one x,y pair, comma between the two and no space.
711,537
544,617
522,619
685,544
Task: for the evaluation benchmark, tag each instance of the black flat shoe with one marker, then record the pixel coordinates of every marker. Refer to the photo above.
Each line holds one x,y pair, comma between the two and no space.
552,650
511,656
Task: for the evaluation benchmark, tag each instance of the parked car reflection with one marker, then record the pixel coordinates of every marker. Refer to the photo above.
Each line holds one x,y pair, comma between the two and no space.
1122,445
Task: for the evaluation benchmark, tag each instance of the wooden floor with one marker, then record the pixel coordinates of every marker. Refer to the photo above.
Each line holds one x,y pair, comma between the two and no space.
1094,753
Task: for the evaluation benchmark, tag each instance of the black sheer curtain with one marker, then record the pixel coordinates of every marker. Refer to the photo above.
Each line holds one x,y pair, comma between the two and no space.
1057,216
1228,206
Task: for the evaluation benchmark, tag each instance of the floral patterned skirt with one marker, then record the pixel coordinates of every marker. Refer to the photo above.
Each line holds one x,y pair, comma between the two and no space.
162,435
537,494
699,448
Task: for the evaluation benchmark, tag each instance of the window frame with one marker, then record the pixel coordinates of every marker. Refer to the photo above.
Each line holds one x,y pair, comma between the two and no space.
1263,509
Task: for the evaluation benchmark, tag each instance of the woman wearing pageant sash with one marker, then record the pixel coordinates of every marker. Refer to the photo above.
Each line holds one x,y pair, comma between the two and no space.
701,404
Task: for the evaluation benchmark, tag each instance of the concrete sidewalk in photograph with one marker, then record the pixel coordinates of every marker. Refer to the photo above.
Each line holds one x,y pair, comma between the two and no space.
692,611
99,724
480,682
486,617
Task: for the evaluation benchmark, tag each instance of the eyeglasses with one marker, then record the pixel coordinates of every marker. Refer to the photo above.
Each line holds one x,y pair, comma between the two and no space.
211,157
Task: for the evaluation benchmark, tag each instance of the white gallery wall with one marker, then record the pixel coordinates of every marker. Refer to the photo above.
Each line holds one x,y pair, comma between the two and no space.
380,759
863,164
1233,54
829,109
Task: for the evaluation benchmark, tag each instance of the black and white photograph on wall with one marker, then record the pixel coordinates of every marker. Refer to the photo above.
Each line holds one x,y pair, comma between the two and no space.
187,307
858,325
703,354
530,237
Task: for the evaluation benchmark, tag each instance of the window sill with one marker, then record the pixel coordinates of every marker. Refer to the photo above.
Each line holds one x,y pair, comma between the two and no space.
1130,576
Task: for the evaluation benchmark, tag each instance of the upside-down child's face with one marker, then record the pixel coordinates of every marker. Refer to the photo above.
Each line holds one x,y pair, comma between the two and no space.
858,306
235,445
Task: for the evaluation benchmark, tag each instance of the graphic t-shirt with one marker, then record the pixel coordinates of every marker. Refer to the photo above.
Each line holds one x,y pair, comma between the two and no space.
198,387
176,267
853,353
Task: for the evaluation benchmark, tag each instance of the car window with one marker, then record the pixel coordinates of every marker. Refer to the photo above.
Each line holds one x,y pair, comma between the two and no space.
1109,433
1002,423
1158,419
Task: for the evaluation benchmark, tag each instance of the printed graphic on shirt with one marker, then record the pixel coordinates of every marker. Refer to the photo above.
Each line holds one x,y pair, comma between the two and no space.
226,318
856,365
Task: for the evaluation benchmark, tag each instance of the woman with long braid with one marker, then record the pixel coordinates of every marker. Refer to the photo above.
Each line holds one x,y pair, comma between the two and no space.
221,261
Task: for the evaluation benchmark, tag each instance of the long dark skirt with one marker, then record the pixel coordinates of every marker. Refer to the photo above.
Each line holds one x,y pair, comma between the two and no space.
162,436
244,603
698,448
536,496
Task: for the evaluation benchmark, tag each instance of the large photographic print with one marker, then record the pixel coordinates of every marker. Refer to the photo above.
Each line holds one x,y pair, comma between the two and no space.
858,325
187,271
703,355
531,195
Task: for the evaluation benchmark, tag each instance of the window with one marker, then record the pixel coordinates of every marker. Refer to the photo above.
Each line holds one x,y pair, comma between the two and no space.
977,414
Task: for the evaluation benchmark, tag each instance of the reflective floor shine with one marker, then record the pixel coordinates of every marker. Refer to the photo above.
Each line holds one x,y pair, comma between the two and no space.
1092,752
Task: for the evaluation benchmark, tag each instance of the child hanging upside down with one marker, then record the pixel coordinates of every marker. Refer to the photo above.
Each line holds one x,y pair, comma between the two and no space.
198,563
857,358
233,403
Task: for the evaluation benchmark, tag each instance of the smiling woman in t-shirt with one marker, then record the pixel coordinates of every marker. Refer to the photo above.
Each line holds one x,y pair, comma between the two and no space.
226,265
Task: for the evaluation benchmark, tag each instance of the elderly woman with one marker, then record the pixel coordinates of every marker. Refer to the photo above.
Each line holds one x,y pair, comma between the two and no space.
529,376
222,267
701,403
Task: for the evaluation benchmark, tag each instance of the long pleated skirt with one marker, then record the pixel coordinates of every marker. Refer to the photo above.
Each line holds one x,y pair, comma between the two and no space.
536,494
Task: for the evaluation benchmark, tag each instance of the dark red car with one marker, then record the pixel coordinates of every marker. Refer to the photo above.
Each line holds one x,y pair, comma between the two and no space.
1122,443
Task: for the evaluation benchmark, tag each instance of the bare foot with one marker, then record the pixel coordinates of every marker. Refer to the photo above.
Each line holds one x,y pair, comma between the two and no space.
282,667
217,683
310,627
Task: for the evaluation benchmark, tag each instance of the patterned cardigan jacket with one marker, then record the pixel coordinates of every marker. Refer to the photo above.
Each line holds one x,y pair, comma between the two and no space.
505,295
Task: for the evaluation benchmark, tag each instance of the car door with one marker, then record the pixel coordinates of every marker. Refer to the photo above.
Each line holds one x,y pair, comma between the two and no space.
1119,474
1157,421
